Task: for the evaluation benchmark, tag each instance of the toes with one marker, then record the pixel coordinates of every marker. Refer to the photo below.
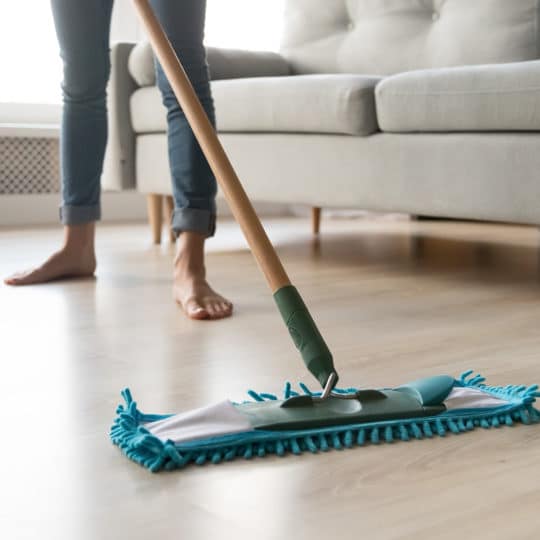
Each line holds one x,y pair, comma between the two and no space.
226,308
206,305
21,278
219,309
198,314
195,310
60,265
30,277
213,310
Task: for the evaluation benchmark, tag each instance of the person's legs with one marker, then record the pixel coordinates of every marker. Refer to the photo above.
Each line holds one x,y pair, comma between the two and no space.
194,185
82,27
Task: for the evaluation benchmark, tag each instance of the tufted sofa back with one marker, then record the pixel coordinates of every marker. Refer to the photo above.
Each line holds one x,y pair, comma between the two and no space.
389,36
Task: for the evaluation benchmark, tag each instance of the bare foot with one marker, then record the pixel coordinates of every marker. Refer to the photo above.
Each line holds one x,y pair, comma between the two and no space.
75,259
200,301
190,288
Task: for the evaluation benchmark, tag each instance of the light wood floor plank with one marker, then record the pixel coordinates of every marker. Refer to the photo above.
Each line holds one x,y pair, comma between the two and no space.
396,300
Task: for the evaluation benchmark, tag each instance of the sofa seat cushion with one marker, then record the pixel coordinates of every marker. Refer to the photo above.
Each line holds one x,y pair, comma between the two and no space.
498,97
341,104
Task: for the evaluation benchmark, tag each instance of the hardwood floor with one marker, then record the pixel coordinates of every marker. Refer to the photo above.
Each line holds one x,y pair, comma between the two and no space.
396,300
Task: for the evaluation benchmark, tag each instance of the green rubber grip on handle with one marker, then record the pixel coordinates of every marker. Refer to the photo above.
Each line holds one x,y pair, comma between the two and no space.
305,334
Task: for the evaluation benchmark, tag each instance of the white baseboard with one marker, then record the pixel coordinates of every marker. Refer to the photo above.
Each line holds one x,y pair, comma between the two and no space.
42,209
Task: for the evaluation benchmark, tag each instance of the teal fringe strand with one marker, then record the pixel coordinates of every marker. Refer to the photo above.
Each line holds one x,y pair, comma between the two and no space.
137,443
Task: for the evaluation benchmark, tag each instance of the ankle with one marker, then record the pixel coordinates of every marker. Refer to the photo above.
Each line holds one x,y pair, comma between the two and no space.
187,267
189,260
191,242
79,239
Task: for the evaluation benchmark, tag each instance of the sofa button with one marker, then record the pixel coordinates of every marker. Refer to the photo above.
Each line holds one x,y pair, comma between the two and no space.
350,26
435,16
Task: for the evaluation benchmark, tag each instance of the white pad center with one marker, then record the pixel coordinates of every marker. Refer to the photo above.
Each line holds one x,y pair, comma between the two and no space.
211,421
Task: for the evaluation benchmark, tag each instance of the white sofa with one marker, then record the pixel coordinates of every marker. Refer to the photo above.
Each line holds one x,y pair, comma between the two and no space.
428,107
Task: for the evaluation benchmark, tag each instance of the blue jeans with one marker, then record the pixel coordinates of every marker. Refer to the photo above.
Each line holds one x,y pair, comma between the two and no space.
82,27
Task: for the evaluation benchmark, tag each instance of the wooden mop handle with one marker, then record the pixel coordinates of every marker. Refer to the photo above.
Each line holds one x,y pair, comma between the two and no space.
205,133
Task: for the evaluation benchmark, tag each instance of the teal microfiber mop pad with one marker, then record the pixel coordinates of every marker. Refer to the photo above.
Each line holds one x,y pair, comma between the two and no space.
302,422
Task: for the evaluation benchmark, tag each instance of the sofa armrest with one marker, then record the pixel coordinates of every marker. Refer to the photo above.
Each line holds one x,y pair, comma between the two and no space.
223,64
237,64
119,165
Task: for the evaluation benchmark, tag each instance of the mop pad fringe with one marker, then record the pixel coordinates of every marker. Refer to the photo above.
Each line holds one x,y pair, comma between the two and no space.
138,444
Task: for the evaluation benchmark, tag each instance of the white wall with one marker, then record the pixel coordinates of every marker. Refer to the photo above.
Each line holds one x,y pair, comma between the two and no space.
125,26
242,24
31,68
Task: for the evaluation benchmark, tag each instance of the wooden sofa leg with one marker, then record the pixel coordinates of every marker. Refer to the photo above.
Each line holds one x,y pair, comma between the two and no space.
169,209
315,219
155,215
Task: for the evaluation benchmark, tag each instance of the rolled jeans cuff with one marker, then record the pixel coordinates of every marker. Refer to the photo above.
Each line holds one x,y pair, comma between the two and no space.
77,215
194,220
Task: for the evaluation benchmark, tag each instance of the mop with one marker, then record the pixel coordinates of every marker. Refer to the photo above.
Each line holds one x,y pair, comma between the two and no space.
302,420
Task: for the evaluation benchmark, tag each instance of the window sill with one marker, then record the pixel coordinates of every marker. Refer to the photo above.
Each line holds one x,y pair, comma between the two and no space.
46,131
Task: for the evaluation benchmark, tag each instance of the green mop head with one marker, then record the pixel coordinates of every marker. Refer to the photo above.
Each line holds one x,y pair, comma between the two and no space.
302,421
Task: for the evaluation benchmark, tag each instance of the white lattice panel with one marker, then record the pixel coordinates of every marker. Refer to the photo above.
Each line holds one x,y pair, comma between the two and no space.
29,165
